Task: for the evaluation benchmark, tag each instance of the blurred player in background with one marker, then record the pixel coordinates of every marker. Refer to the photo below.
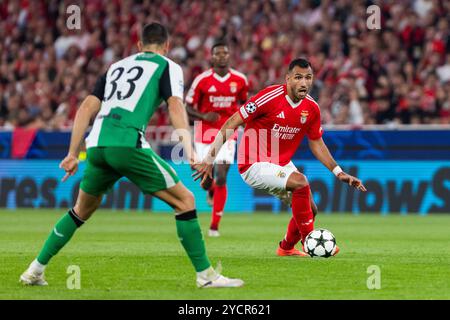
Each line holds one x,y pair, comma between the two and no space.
215,95
276,121
124,99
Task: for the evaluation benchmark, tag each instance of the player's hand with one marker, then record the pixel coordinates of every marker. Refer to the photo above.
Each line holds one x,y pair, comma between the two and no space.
203,171
211,116
70,165
352,181
193,160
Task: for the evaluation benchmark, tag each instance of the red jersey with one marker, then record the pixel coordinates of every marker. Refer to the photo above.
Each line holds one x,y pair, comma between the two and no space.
212,93
275,127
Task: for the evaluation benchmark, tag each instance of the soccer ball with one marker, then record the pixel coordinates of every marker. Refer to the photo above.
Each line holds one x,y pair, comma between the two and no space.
250,107
320,243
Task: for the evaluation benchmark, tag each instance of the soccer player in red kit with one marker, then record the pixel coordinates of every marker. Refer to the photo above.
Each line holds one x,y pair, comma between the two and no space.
214,96
276,121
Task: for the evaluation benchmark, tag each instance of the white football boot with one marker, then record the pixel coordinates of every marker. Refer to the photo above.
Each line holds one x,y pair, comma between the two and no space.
33,278
213,233
210,278
34,275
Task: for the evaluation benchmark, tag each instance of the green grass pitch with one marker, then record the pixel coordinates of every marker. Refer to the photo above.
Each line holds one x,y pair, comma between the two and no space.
136,255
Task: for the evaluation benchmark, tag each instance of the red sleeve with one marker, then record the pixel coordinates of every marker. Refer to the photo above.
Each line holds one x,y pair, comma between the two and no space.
315,130
194,93
243,94
251,110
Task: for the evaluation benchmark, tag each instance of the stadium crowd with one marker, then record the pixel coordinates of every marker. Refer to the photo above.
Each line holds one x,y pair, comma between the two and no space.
399,74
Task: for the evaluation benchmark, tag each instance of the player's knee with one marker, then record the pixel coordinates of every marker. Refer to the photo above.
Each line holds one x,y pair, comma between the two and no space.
221,174
186,203
297,181
221,180
84,212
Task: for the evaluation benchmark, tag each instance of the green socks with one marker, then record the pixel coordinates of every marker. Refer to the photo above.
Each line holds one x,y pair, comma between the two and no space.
191,238
61,234
188,231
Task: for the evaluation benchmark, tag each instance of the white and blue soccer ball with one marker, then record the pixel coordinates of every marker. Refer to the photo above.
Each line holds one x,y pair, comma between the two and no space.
320,243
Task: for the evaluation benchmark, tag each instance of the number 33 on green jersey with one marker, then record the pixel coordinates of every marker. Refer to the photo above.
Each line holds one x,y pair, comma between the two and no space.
130,92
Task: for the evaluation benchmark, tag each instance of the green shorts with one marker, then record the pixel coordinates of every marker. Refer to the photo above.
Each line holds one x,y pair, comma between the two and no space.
143,167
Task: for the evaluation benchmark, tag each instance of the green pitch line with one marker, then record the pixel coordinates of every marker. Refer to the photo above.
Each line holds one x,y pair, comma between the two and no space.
135,255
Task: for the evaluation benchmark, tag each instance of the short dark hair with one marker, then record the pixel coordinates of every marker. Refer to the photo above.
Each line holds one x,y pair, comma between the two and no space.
299,62
219,43
154,33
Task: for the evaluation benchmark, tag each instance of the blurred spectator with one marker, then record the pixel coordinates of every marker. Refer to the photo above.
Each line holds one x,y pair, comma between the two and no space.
399,74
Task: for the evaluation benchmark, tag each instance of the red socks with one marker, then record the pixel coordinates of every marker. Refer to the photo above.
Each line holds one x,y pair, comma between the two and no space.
302,216
292,236
220,197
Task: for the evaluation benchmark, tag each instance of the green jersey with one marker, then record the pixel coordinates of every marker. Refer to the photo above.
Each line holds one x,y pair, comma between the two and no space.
130,92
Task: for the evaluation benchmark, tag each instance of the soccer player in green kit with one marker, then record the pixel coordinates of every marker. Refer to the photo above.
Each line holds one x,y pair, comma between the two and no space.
124,99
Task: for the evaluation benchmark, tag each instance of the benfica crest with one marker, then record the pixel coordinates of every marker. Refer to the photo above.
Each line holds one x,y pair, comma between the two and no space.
304,116
233,87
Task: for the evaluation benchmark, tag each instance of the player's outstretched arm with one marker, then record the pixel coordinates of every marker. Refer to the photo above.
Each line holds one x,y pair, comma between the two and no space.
88,108
179,120
204,169
321,152
223,135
